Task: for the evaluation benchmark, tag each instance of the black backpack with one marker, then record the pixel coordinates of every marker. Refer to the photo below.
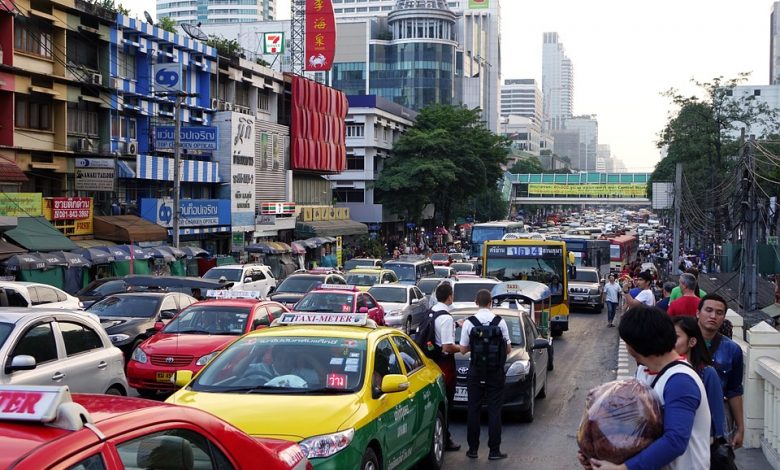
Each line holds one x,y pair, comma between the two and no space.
426,335
488,347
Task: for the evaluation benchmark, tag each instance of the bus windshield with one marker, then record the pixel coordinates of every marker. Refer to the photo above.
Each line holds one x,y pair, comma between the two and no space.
527,269
482,234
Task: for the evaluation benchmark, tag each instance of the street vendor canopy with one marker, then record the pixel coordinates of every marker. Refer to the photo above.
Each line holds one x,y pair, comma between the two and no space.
37,234
128,229
329,228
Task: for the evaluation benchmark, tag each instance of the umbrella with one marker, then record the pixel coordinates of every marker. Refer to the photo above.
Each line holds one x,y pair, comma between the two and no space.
282,247
297,248
115,252
72,260
260,248
136,251
24,261
51,259
176,252
191,251
308,243
159,252
95,255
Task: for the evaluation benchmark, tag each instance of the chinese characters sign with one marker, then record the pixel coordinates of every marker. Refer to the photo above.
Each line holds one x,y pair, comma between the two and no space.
320,35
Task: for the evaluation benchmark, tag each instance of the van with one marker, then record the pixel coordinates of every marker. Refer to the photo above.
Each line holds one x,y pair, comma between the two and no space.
248,277
409,272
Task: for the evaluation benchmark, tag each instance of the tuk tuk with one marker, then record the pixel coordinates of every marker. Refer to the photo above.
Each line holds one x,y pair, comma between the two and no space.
533,297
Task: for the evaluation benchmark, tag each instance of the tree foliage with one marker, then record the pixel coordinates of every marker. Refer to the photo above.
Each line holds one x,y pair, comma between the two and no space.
225,47
447,157
527,165
166,24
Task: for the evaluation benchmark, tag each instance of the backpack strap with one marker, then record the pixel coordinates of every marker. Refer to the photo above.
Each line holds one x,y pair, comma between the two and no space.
666,369
495,321
474,321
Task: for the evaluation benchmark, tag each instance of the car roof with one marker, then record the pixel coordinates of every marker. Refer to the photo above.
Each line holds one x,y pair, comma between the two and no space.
240,266
14,314
227,303
394,286
318,331
141,294
363,270
23,284
475,280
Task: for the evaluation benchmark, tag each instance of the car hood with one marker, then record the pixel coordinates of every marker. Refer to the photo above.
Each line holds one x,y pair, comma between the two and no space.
115,324
287,297
591,285
291,416
390,306
196,345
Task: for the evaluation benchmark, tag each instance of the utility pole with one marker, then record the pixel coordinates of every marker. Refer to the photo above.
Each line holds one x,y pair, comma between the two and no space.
750,239
677,207
176,166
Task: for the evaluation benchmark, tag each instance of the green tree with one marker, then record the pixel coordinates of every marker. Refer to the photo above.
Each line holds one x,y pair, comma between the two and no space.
166,24
527,165
225,47
447,157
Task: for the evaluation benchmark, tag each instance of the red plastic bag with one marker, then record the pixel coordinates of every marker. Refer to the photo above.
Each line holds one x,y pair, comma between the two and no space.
621,418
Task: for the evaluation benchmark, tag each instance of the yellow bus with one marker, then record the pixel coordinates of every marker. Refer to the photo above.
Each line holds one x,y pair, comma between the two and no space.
532,260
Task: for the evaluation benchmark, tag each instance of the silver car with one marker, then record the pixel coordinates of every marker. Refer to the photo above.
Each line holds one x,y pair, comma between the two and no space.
59,347
405,306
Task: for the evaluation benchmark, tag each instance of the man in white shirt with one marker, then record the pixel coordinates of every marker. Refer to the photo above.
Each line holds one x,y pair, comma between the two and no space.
490,385
444,327
645,296
612,293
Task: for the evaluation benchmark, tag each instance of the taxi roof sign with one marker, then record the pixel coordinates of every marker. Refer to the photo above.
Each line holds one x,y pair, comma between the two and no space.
349,287
344,319
31,403
234,294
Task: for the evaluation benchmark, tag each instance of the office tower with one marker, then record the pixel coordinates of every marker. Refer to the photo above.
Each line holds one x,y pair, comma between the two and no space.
557,82
217,11
774,45
522,97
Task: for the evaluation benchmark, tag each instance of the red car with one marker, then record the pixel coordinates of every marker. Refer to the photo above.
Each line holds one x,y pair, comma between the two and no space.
441,259
340,299
193,337
44,427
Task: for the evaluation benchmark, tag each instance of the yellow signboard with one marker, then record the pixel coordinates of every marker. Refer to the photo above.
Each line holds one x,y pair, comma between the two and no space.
71,215
315,213
20,204
588,190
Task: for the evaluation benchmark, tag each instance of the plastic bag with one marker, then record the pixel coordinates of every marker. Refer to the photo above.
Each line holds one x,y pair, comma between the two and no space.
621,418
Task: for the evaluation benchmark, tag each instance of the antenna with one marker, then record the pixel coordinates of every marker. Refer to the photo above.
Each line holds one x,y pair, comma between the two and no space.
148,18
194,32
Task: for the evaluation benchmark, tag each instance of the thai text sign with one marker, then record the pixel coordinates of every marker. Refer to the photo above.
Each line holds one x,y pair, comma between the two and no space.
192,212
190,137
592,190
71,215
20,204
320,35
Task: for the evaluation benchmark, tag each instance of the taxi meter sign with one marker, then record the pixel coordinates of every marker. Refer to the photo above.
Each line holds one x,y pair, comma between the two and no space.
350,319
25,403
234,294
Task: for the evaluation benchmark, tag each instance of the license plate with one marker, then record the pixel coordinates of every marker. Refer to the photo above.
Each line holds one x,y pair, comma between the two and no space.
461,394
164,376
578,297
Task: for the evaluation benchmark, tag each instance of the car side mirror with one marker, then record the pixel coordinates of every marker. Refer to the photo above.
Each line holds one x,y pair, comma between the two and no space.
363,310
159,325
167,314
393,383
414,301
259,323
541,343
247,279
182,377
271,290
21,362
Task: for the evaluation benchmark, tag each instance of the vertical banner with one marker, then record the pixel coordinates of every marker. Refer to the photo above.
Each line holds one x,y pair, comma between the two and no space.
320,35
339,252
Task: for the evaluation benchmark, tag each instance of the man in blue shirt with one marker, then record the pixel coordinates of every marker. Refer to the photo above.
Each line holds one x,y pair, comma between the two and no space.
727,360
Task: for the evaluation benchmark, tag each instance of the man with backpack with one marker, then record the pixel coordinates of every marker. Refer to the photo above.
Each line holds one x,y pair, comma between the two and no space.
486,336
436,337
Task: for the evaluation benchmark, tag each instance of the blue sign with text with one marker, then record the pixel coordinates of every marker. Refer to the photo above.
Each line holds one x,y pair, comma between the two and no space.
194,212
191,137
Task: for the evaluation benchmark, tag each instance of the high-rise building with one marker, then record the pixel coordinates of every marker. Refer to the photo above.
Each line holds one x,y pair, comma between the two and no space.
557,82
588,127
522,97
217,11
774,45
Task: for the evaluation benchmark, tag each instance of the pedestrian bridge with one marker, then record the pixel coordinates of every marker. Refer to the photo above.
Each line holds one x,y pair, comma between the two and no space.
619,189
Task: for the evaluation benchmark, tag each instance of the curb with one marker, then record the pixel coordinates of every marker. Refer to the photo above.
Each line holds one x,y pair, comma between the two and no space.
623,372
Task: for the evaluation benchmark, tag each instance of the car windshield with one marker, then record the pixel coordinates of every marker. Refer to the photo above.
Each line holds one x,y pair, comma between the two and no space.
441,271
285,365
512,323
462,267
103,289
358,263
427,286
457,256
5,331
134,306
233,275
404,272
389,294
209,320
440,257
467,292
362,279
298,285
332,302
586,276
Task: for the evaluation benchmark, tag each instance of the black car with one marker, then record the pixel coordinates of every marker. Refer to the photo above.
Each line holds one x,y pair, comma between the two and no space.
130,318
295,286
100,288
526,366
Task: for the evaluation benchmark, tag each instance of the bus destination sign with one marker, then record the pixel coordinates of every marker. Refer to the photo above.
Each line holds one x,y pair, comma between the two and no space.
504,251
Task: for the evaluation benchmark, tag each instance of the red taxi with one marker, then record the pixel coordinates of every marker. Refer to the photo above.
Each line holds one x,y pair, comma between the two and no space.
336,298
46,427
441,259
193,337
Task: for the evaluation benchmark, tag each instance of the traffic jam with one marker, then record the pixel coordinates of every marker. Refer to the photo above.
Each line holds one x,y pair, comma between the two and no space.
324,369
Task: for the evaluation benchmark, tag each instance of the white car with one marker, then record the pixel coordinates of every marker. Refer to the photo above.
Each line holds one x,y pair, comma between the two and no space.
59,347
36,295
464,290
405,306
245,277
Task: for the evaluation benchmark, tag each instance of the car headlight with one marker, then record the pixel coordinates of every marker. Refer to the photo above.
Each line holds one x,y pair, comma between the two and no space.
139,355
204,359
393,313
326,444
594,292
519,368
118,338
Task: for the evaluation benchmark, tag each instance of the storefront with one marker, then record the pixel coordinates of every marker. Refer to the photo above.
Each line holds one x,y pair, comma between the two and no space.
203,223
327,221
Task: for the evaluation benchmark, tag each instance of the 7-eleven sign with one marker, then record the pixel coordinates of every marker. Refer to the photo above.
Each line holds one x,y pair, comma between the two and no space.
273,43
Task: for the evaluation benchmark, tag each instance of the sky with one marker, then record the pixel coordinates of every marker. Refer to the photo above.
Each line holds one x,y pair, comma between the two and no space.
626,53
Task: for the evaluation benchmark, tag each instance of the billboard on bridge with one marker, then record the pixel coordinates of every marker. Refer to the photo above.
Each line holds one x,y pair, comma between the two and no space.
588,190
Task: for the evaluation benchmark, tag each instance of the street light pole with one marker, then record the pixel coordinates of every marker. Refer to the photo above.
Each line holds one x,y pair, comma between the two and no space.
176,167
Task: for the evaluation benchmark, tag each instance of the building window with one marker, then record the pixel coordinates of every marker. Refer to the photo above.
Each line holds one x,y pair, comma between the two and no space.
355,130
123,127
262,100
33,112
82,122
349,195
32,37
126,64
355,162
756,92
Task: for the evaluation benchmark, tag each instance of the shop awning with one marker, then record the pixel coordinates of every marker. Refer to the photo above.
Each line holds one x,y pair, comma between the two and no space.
37,234
10,173
9,249
128,229
329,228
125,171
92,243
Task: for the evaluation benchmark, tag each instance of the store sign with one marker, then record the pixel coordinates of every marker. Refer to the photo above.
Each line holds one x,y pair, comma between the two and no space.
277,208
592,190
273,43
20,204
315,213
95,174
320,35
193,212
190,137
237,166
71,215
479,4
167,77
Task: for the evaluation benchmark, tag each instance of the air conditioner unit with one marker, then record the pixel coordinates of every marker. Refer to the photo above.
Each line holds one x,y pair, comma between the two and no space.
132,148
97,79
116,83
84,145
214,103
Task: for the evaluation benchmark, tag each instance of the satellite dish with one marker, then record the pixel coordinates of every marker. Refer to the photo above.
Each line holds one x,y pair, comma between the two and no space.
148,18
194,32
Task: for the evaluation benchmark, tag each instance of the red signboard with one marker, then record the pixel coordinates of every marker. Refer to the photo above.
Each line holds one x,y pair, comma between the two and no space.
70,208
320,35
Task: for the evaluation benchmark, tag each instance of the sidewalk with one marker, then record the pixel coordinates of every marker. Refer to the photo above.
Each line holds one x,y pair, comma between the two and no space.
746,458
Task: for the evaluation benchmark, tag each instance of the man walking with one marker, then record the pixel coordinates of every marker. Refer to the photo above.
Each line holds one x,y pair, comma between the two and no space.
645,296
727,360
688,304
612,293
444,327
486,336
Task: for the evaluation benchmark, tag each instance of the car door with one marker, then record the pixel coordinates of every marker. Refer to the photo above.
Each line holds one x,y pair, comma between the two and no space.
259,281
260,319
420,307
154,448
375,311
90,366
539,356
37,340
168,308
47,297
421,416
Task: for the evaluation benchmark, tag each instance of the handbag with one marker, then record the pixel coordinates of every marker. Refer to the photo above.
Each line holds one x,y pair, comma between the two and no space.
722,455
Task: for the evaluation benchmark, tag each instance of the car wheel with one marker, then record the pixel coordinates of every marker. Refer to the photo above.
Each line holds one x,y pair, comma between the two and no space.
115,390
527,415
556,333
550,356
370,462
435,458
408,326
146,392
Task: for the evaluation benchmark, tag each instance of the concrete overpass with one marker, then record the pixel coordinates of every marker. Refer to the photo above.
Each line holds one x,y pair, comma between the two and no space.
597,188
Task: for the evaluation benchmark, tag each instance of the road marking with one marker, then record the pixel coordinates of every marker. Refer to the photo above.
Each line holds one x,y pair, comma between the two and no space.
623,371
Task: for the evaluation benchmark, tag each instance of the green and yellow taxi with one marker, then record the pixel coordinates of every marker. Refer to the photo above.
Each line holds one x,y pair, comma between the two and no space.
351,394
365,278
